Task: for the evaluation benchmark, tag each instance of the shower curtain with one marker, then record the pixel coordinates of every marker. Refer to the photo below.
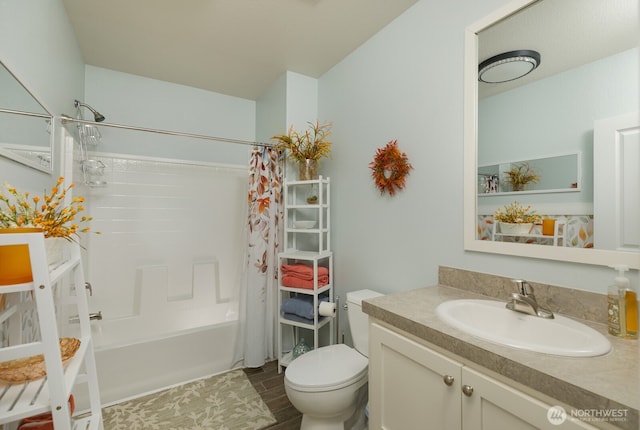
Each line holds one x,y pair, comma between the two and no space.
259,289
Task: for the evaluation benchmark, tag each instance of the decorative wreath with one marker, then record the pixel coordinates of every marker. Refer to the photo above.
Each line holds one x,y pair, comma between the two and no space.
390,166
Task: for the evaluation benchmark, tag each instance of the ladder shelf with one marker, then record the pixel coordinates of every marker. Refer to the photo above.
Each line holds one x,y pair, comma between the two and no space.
50,393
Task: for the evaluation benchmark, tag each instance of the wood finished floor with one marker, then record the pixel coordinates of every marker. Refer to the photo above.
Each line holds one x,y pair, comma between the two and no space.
270,385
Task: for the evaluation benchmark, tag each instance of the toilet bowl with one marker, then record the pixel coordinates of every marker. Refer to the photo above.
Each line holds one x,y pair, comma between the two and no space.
329,384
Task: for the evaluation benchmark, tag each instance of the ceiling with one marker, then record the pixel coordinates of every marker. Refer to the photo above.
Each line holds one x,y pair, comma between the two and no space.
240,47
233,47
567,34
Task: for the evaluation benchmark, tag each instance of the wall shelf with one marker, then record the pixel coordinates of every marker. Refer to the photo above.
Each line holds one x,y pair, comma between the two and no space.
559,234
557,174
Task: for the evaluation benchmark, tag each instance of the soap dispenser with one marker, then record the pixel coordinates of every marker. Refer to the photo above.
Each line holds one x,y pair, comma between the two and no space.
622,306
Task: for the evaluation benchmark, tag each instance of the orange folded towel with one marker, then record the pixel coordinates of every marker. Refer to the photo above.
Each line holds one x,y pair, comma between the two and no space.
43,421
295,282
302,271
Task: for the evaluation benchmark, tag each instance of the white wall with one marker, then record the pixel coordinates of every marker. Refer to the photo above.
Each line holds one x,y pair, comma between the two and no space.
292,100
405,83
137,101
271,110
302,101
38,45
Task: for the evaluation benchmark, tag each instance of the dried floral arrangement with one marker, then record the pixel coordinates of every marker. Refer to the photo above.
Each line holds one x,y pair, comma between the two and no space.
390,167
309,145
48,212
520,175
515,213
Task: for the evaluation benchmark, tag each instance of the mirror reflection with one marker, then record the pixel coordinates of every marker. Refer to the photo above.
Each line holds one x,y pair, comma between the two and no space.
588,72
542,175
556,105
25,125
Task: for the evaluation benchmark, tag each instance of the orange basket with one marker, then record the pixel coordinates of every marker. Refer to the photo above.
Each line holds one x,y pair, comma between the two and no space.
15,263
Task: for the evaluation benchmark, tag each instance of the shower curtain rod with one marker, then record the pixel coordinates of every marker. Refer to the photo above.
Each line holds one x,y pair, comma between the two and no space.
67,118
19,112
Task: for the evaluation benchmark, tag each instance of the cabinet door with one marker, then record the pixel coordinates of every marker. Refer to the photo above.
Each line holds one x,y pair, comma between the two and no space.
495,406
407,389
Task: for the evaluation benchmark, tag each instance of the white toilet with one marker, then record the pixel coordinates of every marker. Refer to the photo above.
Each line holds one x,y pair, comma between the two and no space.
329,384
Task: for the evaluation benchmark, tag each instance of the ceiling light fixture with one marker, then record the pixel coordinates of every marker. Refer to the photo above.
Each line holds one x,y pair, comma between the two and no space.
508,66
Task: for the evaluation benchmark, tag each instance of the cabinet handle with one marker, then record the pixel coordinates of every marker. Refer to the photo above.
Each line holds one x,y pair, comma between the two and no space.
448,380
467,390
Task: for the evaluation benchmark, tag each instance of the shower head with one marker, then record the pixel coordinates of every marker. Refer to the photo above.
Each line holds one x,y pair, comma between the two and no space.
97,116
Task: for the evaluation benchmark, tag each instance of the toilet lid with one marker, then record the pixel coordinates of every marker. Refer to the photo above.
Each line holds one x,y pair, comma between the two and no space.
330,367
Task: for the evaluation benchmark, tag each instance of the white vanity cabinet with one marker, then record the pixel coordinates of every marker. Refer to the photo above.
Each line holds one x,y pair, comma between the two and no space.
407,387
490,404
412,386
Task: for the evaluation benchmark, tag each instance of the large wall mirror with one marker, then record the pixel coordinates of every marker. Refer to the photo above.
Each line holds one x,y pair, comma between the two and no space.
25,125
581,99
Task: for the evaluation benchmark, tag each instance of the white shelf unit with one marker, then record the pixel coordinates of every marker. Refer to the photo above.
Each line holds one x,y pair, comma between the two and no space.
296,208
51,393
559,234
309,246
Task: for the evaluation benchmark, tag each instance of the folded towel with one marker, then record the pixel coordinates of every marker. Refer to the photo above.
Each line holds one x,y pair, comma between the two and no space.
303,271
295,282
296,318
43,421
301,305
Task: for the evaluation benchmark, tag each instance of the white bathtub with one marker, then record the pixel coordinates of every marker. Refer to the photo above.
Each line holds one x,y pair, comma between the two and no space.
132,362
166,288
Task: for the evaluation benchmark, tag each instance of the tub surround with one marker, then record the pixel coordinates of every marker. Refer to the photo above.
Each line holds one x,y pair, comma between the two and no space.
604,382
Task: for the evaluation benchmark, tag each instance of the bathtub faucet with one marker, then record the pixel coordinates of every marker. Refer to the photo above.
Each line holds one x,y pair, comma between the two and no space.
94,316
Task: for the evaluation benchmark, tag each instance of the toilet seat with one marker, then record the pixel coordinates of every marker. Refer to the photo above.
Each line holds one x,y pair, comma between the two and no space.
328,368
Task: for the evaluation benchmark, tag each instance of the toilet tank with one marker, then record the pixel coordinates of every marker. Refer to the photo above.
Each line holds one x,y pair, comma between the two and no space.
358,320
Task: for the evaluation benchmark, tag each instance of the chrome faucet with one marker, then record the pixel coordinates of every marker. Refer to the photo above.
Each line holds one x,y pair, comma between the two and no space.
94,316
525,301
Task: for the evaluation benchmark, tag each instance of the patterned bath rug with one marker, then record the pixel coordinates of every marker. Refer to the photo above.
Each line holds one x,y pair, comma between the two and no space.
222,402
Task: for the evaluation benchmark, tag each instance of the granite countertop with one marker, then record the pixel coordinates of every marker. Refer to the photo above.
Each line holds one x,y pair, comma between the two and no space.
610,381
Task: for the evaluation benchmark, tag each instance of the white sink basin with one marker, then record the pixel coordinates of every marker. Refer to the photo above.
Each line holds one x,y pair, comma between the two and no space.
491,321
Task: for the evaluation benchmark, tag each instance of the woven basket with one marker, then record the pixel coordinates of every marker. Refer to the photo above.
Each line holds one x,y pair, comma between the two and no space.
30,368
